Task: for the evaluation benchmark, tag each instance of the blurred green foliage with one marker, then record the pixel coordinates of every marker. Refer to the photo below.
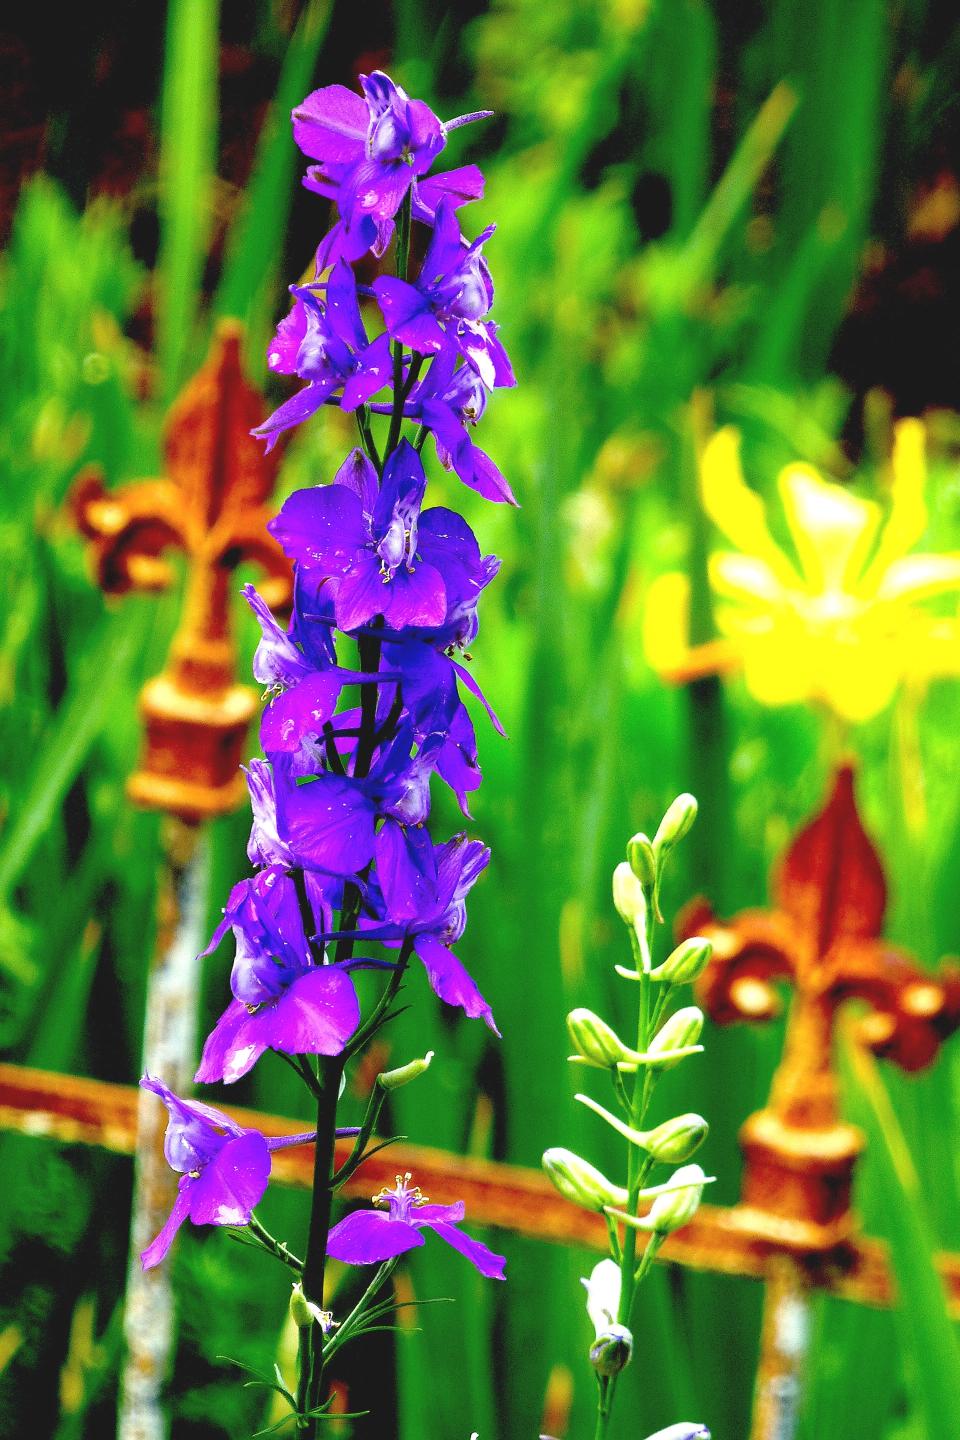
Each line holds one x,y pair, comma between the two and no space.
683,194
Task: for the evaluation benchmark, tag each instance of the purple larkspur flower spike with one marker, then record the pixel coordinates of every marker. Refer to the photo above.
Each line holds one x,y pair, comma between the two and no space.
367,1237
282,1000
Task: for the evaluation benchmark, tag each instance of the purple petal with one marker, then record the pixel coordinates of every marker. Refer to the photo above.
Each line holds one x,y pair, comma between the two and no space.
233,1046
489,1264
361,594
285,346
417,597
303,710
471,684
463,184
372,373
407,870
331,124
158,1248
316,1016
343,309
328,824
427,136
294,411
449,979
408,316
378,187
226,1191
358,474
322,527
366,1237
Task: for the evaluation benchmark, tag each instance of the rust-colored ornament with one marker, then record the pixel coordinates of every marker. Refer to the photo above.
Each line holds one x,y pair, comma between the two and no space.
823,939
212,509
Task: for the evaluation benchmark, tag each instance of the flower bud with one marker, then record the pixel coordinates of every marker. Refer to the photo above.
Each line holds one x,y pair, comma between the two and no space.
681,1030
393,1079
677,822
686,963
683,1430
642,860
304,1313
611,1351
594,1040
581,1182
676,1140
678,1205
628,895
603,1294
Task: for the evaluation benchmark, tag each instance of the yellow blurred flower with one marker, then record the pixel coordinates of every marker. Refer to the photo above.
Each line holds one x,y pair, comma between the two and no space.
843,621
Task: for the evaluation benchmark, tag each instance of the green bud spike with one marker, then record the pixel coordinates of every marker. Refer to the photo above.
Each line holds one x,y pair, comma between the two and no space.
677,822
676,1140
642,860
686,963
680,1031
628,895
393,1079
581,1182
596,1043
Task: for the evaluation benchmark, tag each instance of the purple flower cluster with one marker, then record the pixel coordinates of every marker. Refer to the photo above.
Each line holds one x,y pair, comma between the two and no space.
363,688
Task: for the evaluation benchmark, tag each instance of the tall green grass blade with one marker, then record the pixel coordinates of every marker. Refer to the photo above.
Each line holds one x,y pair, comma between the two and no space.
255,242
927,1336
188,140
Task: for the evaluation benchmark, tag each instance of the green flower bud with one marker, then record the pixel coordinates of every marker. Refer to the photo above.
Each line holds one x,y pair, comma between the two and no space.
677,822
581,1182
642,860
628,895
678,1033
686,963
677,1206
595,1042
304,1313
393,1079
610,1352
676,1140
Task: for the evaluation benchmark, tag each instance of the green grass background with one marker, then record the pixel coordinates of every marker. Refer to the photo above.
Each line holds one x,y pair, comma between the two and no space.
787,137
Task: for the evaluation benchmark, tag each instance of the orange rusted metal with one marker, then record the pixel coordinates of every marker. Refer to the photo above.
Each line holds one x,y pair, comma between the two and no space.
823,938
79,1111
212,509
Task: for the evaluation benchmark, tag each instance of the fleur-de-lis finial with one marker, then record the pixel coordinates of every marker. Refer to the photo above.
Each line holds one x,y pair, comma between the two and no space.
211,508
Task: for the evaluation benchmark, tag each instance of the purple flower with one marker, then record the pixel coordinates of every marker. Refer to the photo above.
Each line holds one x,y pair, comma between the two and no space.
436,922
372,150
303,686
367,1237
330,822
224,1168
449,402
443,311
377,544
282,999
324,343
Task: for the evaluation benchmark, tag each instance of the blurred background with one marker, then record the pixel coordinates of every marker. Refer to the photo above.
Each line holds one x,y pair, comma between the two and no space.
711,213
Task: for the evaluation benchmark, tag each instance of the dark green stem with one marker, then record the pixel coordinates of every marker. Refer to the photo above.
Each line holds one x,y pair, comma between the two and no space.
314,1266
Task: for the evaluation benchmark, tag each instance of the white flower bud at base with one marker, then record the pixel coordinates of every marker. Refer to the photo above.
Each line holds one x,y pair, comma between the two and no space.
610,1352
